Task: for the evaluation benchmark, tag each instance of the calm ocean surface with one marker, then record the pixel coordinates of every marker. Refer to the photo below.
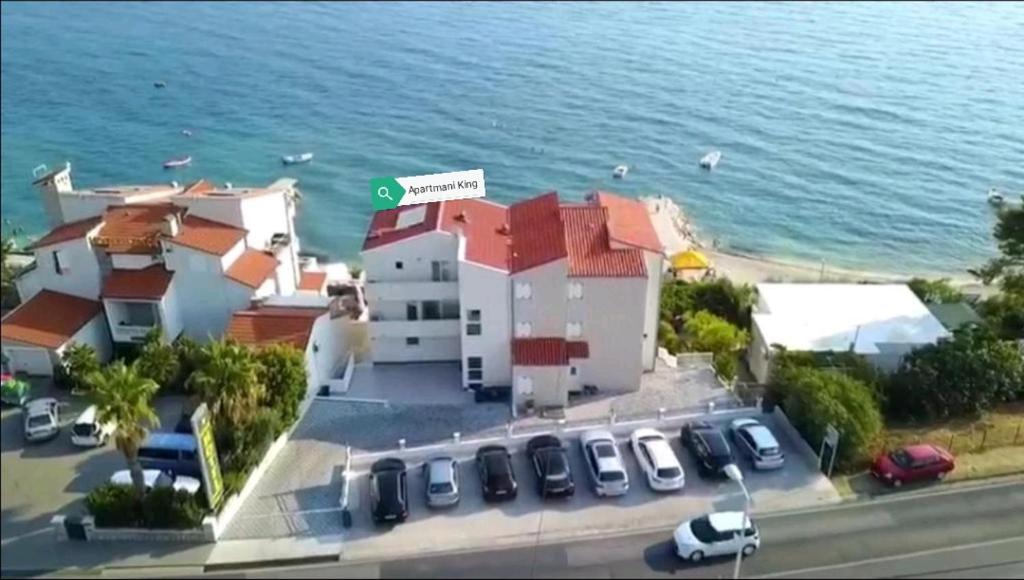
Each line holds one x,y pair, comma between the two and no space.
864,134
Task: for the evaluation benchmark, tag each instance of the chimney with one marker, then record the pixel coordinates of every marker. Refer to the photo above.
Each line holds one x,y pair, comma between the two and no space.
170,226
51,186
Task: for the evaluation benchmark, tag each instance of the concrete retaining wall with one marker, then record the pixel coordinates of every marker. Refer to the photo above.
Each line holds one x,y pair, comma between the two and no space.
807,452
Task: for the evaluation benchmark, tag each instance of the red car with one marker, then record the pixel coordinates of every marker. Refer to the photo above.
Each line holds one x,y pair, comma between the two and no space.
913,463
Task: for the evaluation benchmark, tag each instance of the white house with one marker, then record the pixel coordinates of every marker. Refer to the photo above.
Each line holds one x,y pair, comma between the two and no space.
35,334
181,258
883,322
541,296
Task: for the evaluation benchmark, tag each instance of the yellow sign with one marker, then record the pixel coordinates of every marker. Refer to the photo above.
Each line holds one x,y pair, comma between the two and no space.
209,462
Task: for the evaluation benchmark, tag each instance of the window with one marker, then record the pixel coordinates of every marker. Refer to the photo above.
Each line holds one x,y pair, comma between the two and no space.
412,341
399,265
474,329
475,362
524,329
473,315
59,262
524,291
411,311
476,375
139,314
575,290
572,371
450,309
442,271
431,310
574,329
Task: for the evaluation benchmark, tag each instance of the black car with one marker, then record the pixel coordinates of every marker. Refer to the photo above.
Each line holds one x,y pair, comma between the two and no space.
551,466
496,473
389,491
709,446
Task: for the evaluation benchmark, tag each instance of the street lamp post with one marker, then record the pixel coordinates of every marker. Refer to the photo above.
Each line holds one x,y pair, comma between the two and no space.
734,473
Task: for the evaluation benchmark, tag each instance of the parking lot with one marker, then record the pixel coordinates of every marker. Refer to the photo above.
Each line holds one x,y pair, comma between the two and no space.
310,509
44,478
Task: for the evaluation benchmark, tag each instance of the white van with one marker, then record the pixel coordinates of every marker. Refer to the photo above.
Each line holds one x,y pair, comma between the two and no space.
87,432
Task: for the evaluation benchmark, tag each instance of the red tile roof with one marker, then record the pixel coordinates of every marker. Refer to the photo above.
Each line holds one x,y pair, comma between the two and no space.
208,236
66,232
590,253
264,326
382,227
49,319
538,236
134,229
146,284
546,352
628,221
484,225
252,268
313,281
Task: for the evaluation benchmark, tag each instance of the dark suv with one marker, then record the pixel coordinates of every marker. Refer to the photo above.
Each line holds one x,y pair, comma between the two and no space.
551,466
389,491
496,473
709,446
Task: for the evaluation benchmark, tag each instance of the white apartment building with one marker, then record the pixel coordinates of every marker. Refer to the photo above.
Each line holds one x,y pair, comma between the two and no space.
181,258
542,297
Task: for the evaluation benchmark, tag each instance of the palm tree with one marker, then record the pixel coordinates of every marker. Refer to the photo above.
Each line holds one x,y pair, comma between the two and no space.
124,398
228,381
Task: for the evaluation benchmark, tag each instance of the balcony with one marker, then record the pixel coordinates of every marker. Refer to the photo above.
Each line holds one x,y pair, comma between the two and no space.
420,328
416,291
130,321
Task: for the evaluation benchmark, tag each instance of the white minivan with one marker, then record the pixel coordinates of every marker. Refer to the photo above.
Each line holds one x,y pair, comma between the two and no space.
87,432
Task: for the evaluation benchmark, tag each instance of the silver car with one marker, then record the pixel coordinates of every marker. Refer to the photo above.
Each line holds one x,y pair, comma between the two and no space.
758,443
442,481
604,463
42,419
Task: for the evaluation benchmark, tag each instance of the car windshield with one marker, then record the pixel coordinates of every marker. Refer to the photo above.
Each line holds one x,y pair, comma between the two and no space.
38,420
604,450
901,458
436,488
703,531
669,472
83,429
612,476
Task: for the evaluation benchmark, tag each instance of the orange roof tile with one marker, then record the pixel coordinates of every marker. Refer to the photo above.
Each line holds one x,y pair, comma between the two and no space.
134,229
538,236
66,232
208,236
146,284
542,352
252,268
264,326
382,227
484,225
590,253
49,319
628,221
313,281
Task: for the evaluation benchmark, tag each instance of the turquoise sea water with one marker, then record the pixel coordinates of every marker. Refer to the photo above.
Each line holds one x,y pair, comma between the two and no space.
865,134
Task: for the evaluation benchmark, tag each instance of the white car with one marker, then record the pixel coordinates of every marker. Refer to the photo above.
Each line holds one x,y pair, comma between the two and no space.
757,442
604,463
658,461
716,534
87,432
155,478
42,419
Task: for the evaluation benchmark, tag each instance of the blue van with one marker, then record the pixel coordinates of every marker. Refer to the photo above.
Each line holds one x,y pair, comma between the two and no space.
174,452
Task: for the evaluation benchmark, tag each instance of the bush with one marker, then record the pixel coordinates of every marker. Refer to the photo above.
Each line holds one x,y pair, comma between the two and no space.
283,373
165,508
719,297
668,338
1004,314
706,332
241,447
939,291
77,362
158,361
114,506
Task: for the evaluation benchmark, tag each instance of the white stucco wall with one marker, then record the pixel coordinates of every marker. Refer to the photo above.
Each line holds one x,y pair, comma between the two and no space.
218,209
612,314
331,338
96,334
487,290
286,273
205,298
652,305
758,355
81,276
233,254
546,309
394,349
416,255
550,385
263,216
133,261
78,206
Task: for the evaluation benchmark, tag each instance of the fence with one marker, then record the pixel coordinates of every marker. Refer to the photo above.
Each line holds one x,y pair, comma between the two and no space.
978,438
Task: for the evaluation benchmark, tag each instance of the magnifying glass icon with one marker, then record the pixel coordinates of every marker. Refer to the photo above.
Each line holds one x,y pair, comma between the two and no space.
383,192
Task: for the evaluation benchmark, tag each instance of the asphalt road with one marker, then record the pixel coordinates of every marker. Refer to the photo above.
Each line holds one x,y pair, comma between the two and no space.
966,532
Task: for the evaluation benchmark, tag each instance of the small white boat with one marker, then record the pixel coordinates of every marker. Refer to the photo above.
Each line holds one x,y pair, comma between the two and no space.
180,162
710,160
296,159
996,197
620,171
186,132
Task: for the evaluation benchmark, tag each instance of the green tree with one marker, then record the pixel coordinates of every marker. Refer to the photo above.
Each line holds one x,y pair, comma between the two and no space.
1004,313
228,380
1008,268
124,398
77,364
8,291
963,376
283,373
939,291
719,297
706,332
816,398
157,360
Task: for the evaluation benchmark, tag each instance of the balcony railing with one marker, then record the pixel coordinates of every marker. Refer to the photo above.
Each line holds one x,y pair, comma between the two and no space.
419,328
386,291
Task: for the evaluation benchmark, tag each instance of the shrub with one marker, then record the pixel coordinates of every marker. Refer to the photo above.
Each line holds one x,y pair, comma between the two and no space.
114,506
165,508
706,332
241,447
77,363
668,338
939,291
283,373
719,297
1004,314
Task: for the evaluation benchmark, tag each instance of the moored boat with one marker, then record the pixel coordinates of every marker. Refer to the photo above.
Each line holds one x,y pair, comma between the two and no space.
620,171
296,159
710,160
180,162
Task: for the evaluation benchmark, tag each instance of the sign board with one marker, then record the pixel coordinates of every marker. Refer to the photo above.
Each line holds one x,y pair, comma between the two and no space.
831,442
831,436
202,426
392,192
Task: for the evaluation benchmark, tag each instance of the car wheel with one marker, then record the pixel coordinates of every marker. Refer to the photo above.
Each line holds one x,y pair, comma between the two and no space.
749,550
696,556
897,483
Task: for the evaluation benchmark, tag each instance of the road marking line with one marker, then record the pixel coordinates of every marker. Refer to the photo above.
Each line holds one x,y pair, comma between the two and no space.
290,514
896,557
